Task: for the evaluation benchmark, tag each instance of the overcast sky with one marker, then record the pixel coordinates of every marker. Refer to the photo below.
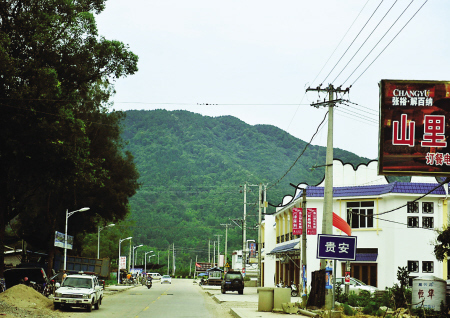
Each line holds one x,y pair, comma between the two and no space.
254,59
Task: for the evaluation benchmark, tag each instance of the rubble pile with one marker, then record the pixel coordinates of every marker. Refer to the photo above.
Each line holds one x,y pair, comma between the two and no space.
24,301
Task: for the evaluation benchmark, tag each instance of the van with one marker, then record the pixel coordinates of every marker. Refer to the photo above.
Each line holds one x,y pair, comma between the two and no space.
155,275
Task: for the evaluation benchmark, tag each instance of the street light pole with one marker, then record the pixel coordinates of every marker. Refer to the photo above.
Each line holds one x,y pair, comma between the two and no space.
98,244
68,214
145,258
135,247
118,263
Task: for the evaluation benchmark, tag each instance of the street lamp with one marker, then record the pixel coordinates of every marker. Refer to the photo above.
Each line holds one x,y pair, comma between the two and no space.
118,263
68,214
134,259
99,230
145,258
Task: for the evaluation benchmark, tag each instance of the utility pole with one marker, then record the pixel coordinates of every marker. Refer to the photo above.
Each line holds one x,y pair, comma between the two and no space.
260,198
209,251
327,219
304,289
218,249
168,260
158,258
226,241
195,268
173,260
244,231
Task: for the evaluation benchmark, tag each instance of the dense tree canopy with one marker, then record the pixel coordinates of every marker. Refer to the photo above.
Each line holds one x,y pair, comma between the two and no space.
59,147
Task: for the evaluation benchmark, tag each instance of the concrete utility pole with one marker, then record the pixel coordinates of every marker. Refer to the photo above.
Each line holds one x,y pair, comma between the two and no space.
226,242
304,267
168,260
260,198
129,259
209,251
218,249
327,219
244,230
174,267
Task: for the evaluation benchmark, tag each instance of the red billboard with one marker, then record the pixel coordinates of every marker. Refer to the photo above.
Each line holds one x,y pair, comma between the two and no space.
311,221
414,128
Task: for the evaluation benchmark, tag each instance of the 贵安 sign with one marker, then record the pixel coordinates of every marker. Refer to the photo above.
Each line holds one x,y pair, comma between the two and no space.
337,247
414,128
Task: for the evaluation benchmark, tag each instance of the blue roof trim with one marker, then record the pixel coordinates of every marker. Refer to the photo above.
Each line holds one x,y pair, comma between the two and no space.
366,257
372,190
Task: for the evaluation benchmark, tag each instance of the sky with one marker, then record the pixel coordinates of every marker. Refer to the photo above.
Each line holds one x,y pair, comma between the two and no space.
254,60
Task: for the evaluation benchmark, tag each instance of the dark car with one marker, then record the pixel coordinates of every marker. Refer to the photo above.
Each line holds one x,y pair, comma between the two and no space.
233,281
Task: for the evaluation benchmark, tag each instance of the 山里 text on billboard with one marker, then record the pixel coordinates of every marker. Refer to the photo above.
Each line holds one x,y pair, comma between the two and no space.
414,128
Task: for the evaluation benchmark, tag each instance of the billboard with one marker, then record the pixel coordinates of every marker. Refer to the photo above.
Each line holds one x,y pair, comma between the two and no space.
414,128
59,240
297,221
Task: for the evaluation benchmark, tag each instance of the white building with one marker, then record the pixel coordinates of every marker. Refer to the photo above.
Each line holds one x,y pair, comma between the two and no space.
393,223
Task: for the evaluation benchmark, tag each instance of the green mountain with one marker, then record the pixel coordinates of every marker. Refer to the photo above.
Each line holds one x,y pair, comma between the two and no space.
192,168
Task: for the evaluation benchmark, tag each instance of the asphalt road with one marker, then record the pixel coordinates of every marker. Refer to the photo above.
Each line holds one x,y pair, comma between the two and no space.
182,298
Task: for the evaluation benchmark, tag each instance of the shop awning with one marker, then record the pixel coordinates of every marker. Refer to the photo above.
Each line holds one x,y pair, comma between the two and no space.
289,247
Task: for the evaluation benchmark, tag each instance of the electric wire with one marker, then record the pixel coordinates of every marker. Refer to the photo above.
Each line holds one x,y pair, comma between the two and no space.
389,43
340,41
389,29
301,154
353,41
368,37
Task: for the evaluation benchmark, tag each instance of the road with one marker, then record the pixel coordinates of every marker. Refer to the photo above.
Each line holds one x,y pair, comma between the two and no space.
182,298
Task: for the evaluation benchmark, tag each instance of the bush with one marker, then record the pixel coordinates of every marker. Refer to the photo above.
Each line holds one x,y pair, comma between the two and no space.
371,308
348,310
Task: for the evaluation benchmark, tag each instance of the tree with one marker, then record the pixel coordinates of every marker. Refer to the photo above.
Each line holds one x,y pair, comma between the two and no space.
442,246
56,77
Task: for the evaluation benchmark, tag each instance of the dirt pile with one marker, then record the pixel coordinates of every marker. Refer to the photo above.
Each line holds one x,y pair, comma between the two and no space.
24,301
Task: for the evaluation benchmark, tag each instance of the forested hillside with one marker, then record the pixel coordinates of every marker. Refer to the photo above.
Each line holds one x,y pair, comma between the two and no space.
192,168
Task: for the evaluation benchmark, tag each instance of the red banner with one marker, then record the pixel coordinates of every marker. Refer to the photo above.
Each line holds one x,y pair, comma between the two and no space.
297,221
311,221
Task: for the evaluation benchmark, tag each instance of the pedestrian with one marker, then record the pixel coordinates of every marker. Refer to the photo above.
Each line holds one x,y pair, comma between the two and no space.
64,276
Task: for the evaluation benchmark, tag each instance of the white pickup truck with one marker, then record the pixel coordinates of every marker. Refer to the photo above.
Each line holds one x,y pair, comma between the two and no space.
79,291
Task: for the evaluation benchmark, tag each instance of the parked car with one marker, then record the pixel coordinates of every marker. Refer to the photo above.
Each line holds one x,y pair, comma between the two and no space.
233,281
355,285
166,279
79,291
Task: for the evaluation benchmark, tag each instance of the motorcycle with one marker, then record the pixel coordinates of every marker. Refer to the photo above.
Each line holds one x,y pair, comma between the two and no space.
294,290
148,283
202,282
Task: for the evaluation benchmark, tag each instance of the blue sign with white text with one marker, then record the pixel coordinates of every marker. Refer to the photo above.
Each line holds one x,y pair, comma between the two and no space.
336,247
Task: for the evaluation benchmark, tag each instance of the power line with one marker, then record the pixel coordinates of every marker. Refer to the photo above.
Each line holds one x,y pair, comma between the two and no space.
389,42
351,59
353,41
304,149
340,41
379,40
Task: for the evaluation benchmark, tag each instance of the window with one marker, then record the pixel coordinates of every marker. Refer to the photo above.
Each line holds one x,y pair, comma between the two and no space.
428,222
427,207
410,280
360,214
413,221
413,207
413,266
427,267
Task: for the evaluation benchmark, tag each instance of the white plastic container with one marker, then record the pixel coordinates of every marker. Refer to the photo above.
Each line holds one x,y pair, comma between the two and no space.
429,292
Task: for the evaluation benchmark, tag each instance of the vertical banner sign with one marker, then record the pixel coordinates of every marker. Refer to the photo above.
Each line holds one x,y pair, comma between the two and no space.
311,221
414,128
123,262
297,221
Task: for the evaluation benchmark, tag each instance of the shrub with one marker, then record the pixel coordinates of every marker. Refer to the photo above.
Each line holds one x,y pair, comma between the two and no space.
371,308
348,310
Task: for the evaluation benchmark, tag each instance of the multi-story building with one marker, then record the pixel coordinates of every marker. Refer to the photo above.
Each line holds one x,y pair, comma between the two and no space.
394,224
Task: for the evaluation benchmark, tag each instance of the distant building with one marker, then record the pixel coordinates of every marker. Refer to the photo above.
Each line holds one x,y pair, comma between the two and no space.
392,227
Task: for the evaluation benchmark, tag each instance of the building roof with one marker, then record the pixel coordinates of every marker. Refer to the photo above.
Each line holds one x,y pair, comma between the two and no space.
378,189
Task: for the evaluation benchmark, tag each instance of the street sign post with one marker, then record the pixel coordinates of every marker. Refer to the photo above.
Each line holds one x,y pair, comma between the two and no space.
336,247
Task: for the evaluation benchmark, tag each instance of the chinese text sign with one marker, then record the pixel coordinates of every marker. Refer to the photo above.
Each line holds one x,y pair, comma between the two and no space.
297,221
336,247
414,127
311,221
